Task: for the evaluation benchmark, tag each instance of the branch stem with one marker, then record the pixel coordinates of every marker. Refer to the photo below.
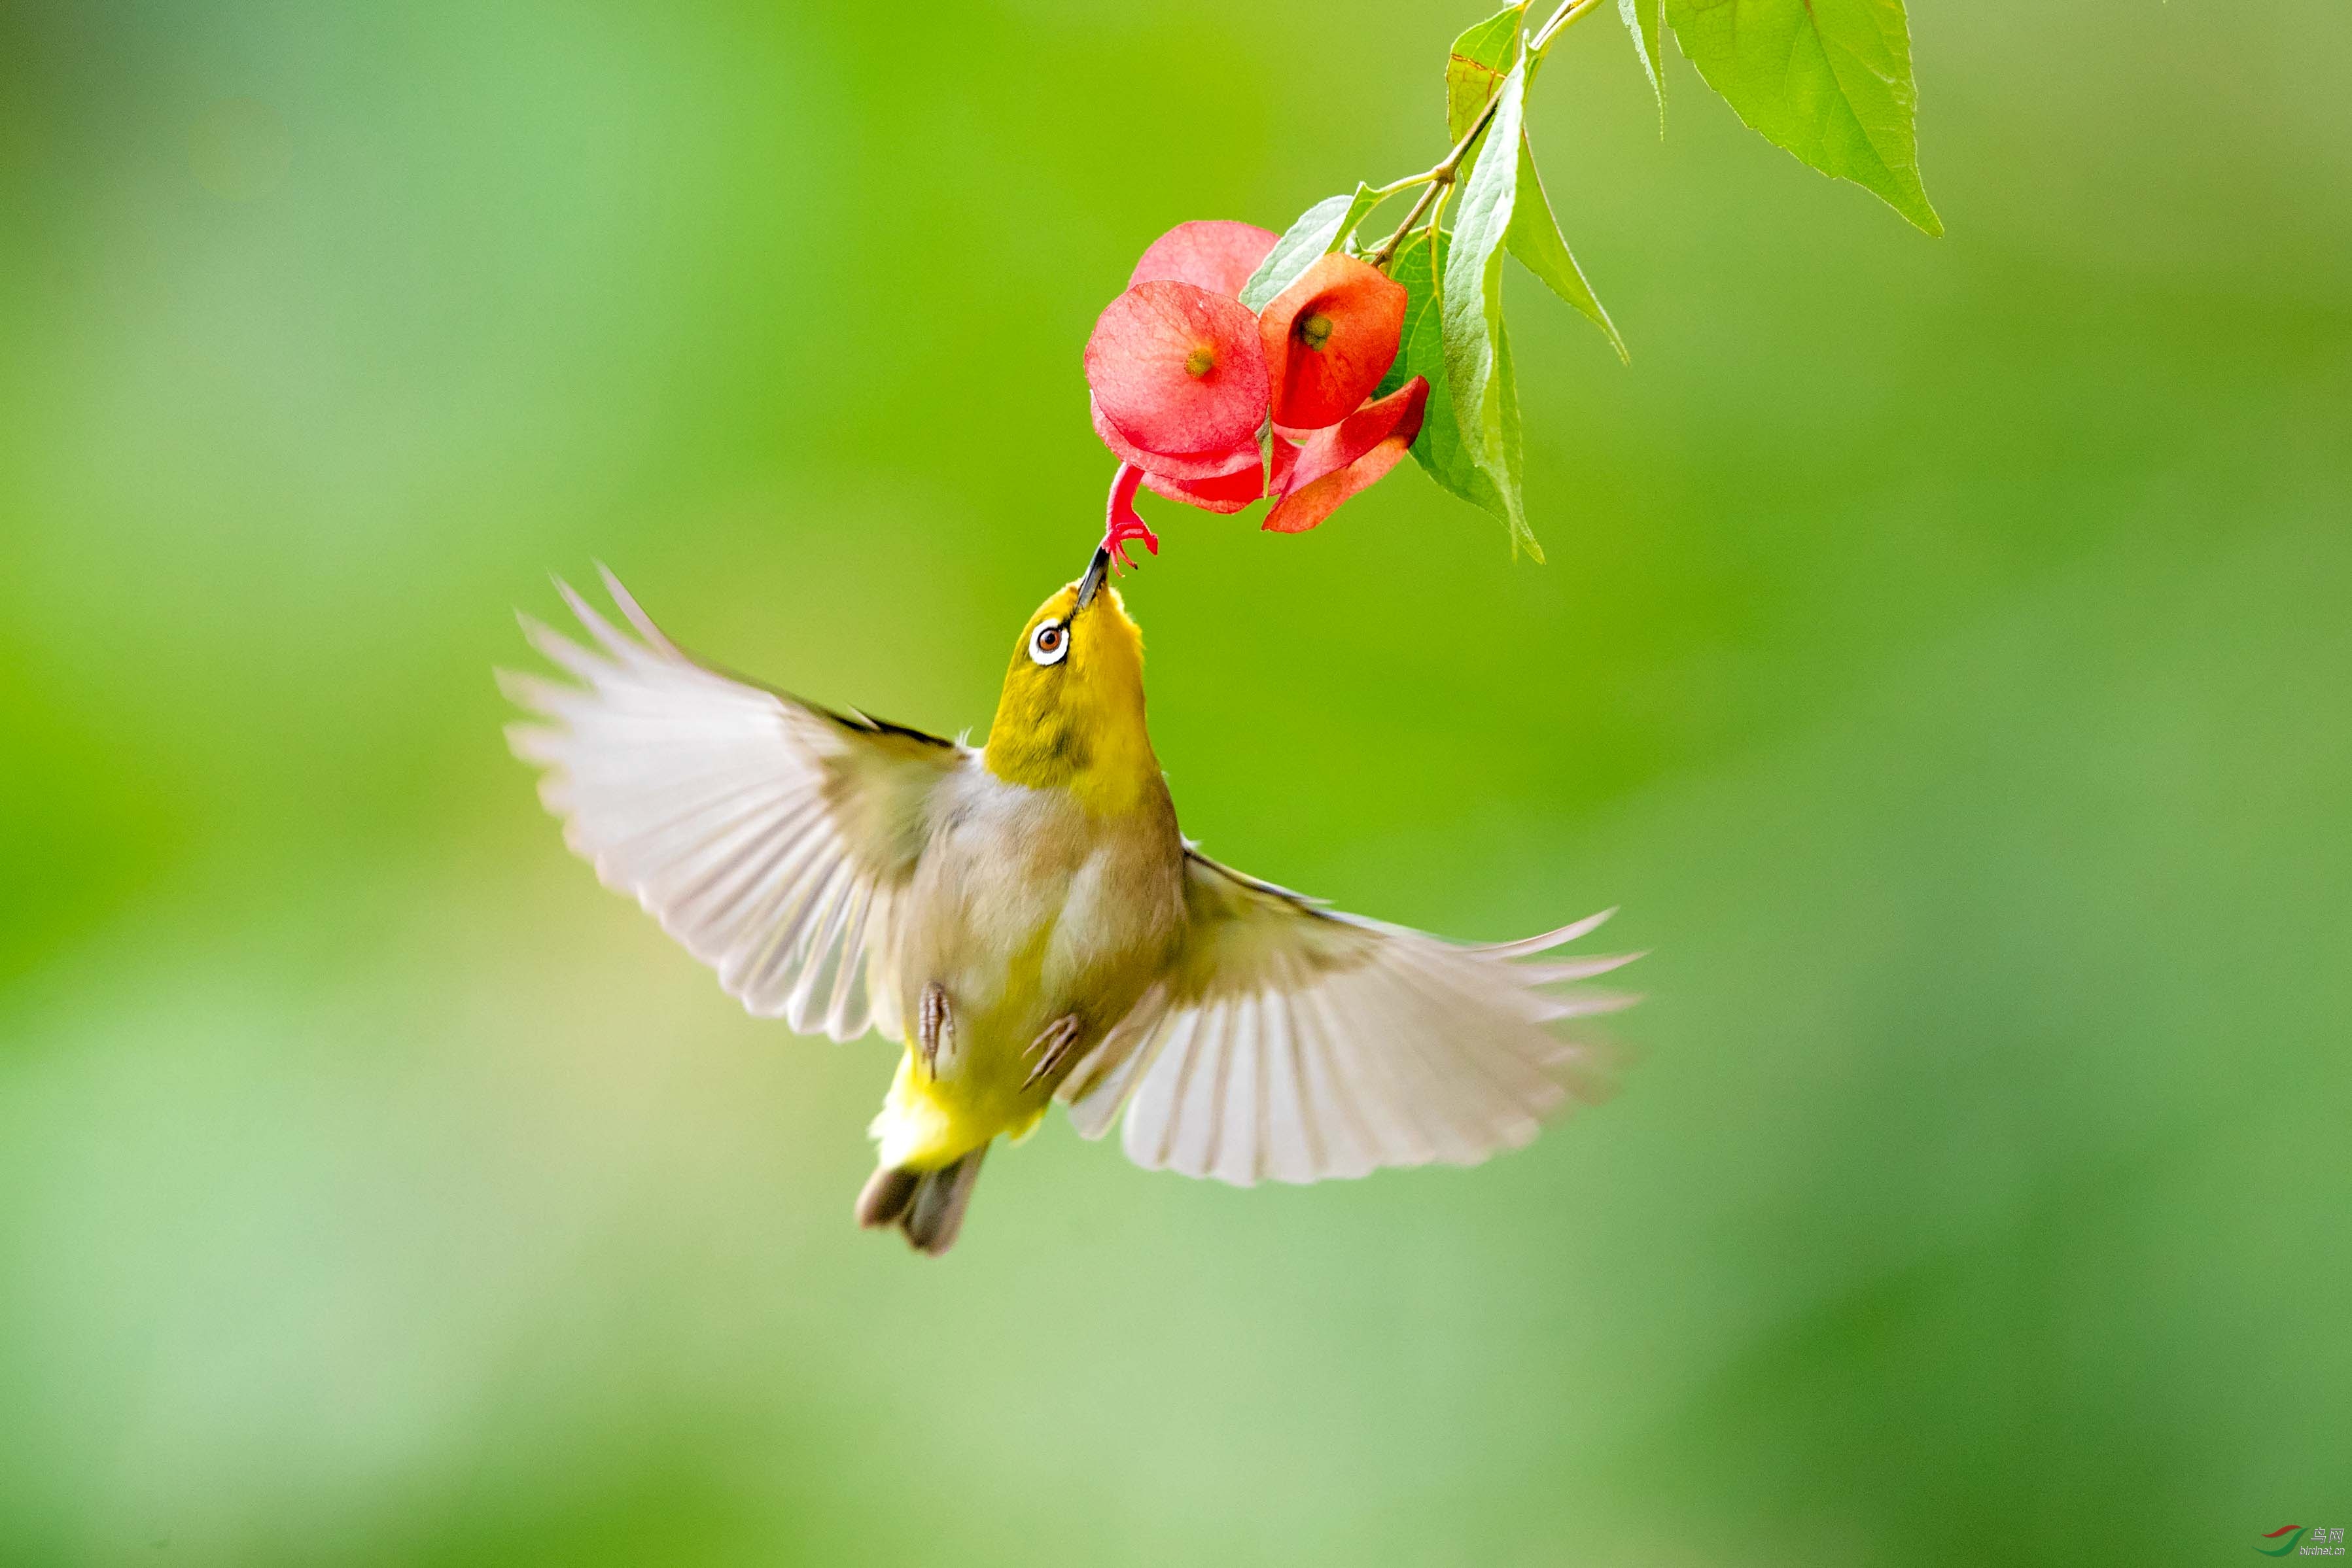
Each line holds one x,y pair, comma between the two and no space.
1435,179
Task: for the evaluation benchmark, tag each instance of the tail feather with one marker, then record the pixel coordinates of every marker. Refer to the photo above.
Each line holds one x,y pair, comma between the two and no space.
887,1193
933,1211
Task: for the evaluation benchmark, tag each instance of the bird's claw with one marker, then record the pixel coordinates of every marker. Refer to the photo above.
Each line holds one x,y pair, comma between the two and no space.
1053,1043
1122,524
932,1023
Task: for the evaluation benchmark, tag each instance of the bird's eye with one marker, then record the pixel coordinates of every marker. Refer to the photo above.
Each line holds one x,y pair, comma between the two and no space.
1050,644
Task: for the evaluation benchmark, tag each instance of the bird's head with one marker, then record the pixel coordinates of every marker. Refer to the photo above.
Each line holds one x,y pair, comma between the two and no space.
1071,715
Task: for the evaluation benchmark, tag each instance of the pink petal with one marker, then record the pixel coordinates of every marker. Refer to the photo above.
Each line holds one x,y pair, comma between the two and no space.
1178,370
1317,484
1229,494
1336,446
1217,255
1204,465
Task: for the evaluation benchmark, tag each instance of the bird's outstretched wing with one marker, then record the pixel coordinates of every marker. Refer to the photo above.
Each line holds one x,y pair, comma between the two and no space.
1294,1043
774,838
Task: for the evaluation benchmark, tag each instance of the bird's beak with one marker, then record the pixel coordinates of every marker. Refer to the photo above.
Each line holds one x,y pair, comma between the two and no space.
1098,572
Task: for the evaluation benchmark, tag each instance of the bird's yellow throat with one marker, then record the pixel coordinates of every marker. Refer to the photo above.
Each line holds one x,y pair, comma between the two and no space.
1078,725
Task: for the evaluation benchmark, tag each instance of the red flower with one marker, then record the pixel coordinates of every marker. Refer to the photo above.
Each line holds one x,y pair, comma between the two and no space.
1329,338
1206,465
1218,256
1178,372
1220,493
1350,455
1312,476
1186,383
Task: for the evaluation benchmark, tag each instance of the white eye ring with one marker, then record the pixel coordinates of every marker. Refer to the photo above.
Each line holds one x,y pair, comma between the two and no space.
1050,644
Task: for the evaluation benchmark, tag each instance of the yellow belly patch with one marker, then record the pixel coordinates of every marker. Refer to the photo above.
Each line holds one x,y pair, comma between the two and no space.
927,1123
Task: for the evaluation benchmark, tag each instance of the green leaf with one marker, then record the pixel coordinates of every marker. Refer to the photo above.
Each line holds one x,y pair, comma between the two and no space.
1470,307
1362,204
1414,269
1535,238
1438,448
1829,81
1514,508
1640,18
1482,56
1297,248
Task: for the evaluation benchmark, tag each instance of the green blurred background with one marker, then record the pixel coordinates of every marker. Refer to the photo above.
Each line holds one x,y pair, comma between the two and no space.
1944,659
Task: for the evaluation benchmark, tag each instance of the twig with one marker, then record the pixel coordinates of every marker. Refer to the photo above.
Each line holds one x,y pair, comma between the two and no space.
1441,174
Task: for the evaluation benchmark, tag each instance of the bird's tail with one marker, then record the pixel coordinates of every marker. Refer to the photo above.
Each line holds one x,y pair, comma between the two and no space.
929,1205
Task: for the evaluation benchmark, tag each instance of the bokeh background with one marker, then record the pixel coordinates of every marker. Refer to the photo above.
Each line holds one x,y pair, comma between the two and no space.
1944,660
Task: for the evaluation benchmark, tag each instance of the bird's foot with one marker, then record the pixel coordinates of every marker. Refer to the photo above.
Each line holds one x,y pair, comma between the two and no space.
931,1026
1122,523
1051,1046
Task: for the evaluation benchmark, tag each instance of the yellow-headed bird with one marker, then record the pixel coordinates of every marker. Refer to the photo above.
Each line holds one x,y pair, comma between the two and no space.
1027,920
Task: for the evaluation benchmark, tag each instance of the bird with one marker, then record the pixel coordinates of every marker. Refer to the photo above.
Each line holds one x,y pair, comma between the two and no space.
1025,919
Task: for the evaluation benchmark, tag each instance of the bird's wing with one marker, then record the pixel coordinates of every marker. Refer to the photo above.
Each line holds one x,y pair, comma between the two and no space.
1294,1042
774,838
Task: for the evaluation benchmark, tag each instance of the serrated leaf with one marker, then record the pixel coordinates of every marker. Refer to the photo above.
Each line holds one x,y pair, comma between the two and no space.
1641,19
1535,238
1829,81
1297,249
1481,57
1470,306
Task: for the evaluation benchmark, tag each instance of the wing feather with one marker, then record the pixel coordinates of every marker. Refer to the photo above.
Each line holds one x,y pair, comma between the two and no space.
1347,1148
1370,1107
1294,1043
1293,1144
1235,1148
768,835
1100,1083
1153,1118
1193,1128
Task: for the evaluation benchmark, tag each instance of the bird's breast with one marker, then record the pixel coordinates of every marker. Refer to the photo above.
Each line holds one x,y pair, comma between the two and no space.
1026,908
